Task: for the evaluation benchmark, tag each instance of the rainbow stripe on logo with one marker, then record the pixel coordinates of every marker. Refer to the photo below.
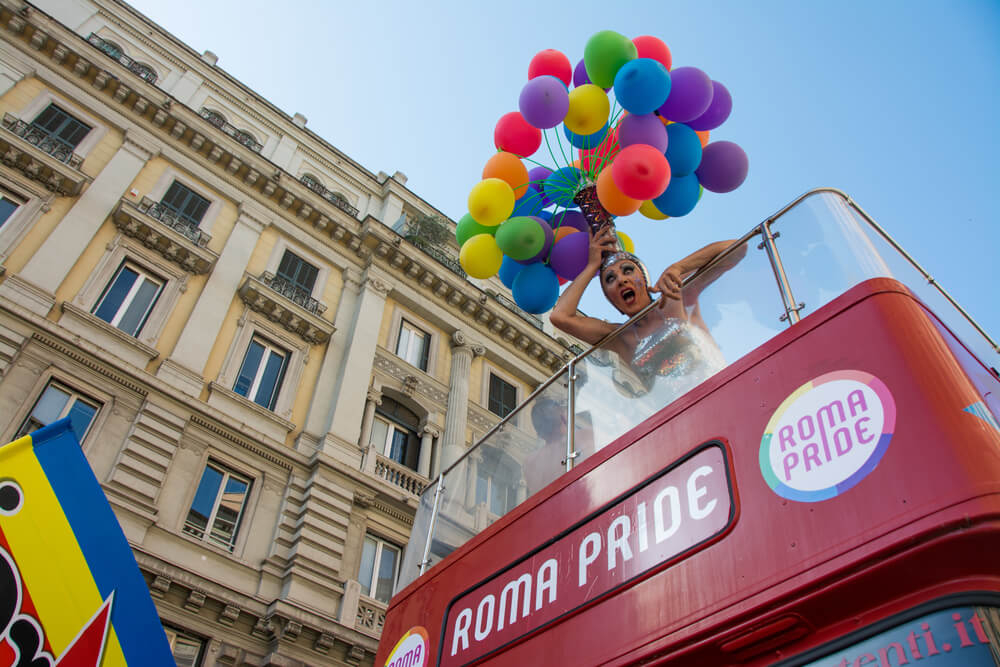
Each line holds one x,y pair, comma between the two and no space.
70,590
889,424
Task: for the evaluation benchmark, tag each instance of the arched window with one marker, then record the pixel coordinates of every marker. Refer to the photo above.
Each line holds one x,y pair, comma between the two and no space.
112,49
394,433
312,183
246,139
213,117
143,70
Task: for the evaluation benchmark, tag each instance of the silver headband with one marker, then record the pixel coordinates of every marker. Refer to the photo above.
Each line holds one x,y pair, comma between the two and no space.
621,255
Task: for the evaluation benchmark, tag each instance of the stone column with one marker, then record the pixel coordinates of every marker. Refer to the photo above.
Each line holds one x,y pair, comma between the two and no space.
427,435
462,353
348,399
48,267
472,478
373,398
183,369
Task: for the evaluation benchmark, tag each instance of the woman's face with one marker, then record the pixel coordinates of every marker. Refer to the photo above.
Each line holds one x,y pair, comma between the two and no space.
625,286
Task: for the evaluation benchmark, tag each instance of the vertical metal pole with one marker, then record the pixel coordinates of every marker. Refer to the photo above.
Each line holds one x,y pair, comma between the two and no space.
792,307
425,561
571,415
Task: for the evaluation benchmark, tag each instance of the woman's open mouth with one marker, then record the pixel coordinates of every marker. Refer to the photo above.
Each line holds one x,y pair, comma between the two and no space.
628,295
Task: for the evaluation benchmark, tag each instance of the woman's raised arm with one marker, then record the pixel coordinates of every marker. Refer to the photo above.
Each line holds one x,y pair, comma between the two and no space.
565,314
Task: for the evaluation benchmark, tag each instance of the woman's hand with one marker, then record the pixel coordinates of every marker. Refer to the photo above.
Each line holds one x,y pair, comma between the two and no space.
669,284
605,241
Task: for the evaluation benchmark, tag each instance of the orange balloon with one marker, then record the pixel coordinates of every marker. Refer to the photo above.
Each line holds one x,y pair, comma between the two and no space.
508,167
563,232
612,199
702,137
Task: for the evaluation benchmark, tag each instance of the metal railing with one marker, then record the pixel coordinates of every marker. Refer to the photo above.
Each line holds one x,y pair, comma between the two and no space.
293,292
239,135
42,139
144,72
169,217
433,510
334,198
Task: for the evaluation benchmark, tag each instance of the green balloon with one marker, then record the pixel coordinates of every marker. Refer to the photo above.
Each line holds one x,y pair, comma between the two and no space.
604,55
467,227
520,238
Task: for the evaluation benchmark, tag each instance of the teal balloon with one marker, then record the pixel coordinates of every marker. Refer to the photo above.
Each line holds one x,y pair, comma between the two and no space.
605,53
680,197
642,85
468,227
521,238
536,289
508,271
586,141
530,203
683,150
561,186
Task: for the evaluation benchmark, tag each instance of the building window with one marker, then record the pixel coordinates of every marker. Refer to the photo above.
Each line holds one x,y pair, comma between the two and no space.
298,273
58,401
185,647
58,125
185,203
498,477
394,433
261,373
9,203
218,506
128,298
502,396
379,568
413,345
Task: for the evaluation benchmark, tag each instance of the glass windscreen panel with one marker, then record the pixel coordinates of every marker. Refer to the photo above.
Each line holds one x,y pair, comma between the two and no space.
967,636
524,456
827,247
728,311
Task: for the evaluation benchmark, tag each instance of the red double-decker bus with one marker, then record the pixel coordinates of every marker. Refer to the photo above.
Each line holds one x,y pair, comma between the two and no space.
827,492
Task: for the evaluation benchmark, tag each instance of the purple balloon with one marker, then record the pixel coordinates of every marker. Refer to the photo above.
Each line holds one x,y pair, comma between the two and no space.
569,256
718,111
544,101
643,129
691,93
723,167
536,177
580,76
546,247
571,218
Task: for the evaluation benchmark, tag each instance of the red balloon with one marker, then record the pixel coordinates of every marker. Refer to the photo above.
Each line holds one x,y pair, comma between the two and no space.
641,172
553,63
596,159
514,135
653,47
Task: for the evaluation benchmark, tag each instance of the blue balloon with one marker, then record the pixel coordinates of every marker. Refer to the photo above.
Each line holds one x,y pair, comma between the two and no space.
545,215
508,271
586,141
680,197
536,288
562,186
642,85
529,204
683,150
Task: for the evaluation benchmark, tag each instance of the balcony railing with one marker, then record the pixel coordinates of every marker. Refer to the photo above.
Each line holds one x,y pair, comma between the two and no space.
293,293
332,197
172,219
237,134
445,260
42,140
399,475
144,72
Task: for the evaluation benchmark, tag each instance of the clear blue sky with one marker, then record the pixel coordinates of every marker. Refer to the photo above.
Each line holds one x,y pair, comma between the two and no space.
895,102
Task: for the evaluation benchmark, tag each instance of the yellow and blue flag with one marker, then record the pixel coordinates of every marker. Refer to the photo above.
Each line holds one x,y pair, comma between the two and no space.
71,594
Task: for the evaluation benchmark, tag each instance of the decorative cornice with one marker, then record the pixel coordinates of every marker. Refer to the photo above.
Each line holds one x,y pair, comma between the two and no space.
215,428
392,512
75,354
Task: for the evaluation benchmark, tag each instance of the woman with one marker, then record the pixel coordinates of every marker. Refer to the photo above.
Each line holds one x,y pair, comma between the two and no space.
670,340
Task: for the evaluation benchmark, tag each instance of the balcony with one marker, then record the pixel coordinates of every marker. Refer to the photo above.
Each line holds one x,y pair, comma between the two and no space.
237,134
144,72
399,475
334,198
288,305
178,240
40,156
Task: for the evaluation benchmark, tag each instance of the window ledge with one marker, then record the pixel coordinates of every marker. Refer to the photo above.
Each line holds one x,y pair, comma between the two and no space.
249,413
96,330
311,328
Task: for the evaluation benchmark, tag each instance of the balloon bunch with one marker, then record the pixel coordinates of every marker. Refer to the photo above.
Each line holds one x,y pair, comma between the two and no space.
646,151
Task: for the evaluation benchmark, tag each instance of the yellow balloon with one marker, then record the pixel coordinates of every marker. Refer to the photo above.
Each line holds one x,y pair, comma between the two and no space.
649,210
627,244
588,109
480,256
491,201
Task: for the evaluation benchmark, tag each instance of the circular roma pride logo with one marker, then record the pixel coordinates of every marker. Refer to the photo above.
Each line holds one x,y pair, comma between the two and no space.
827,436
411,650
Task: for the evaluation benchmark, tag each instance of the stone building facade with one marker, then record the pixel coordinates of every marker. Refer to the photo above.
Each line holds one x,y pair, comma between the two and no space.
263,370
